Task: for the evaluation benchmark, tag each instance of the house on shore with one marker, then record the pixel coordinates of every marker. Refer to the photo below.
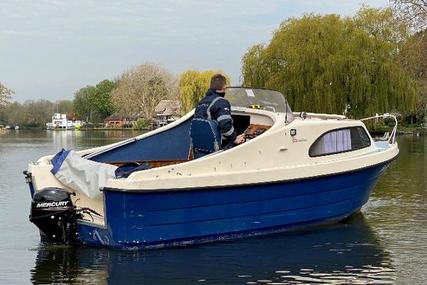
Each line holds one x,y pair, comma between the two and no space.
119,121
167,111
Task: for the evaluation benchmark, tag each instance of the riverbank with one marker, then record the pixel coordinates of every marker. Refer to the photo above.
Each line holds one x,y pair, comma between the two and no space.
79,129
401,130
417,130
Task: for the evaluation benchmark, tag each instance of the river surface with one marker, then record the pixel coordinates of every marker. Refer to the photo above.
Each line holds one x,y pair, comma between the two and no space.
385,244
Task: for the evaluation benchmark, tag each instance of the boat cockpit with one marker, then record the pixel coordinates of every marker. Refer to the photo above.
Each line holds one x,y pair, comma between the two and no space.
253,112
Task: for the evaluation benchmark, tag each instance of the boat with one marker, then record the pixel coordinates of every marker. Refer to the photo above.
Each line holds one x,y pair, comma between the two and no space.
61,122
295,170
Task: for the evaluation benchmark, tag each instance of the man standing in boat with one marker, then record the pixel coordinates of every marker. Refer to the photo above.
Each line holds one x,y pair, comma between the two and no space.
215,108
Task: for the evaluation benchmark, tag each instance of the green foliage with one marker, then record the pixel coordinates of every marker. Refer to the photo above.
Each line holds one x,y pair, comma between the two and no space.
413,57
83,102
38,113
383,24
330,64
94,103
12,114
192,87
65,107
102,101
29,114
255,69
142,124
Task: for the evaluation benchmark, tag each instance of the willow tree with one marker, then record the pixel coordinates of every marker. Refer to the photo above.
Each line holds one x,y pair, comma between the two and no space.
192,87
333,64
414,58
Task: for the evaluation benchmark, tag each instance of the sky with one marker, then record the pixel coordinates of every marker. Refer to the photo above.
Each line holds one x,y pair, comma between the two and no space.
51,48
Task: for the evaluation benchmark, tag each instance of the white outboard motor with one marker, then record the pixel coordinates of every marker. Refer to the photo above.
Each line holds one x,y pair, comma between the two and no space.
53,212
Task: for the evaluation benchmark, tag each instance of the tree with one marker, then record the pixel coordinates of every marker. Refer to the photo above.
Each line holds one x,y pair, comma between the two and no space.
102,101
5,95
64,106
94,103
33,113
30,114
255,66
413,57
13,114
332,64
413,12
141,88
193,86
37,113
82,102
384,25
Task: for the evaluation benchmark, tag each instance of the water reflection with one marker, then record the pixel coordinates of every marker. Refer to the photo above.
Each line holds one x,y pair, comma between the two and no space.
397,210
340,254
87,139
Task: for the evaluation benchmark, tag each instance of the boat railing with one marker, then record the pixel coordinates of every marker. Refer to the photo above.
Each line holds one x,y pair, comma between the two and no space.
389,137
307,115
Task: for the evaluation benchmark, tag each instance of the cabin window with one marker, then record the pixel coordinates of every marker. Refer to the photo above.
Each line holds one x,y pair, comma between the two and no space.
340,140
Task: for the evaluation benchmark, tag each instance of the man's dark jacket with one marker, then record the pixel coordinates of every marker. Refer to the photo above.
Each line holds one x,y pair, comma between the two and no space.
214,107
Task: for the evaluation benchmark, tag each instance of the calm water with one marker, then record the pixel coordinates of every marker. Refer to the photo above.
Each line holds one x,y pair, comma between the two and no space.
385,244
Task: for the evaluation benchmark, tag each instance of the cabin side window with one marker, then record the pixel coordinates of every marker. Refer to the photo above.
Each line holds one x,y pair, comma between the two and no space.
340,140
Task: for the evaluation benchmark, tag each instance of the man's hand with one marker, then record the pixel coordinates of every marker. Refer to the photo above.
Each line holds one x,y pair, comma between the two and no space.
240,139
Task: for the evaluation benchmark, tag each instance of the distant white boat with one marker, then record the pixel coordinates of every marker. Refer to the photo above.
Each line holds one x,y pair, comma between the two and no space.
60,121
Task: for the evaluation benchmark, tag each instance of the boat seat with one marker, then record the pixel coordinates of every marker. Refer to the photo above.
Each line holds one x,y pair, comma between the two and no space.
205,135
127,169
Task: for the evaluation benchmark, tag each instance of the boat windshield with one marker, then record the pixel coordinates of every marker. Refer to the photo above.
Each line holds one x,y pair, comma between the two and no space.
264,99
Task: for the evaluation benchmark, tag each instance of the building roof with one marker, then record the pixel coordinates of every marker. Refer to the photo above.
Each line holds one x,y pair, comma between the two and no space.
115,117
167,108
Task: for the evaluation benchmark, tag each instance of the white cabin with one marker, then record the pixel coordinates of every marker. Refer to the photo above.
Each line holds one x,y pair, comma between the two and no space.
60,121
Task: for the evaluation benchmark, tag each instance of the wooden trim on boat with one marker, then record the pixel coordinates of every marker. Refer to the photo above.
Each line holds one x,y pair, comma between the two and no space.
152,163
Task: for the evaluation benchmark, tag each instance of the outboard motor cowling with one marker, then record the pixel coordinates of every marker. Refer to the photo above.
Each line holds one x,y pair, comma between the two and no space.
53,212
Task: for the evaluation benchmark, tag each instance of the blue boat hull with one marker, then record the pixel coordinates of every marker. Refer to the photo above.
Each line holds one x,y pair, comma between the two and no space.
172,218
